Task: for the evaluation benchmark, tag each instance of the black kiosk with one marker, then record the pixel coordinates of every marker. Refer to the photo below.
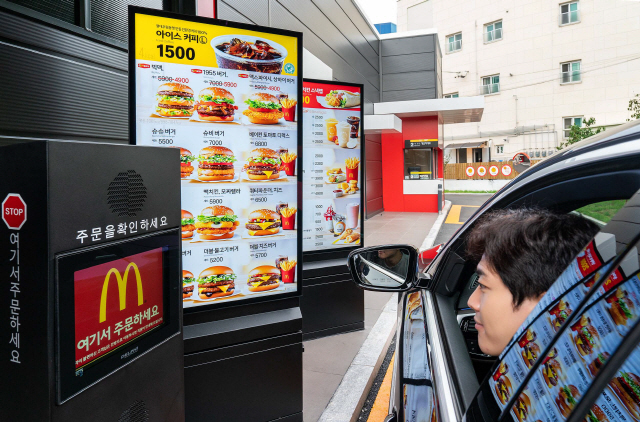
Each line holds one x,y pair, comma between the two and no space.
90,255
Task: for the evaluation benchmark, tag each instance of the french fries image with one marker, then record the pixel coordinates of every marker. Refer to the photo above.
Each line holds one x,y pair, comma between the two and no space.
288,102
287,265
352,162
287,212
288,157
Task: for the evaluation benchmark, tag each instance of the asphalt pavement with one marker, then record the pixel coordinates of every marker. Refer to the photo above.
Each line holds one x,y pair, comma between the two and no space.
463,206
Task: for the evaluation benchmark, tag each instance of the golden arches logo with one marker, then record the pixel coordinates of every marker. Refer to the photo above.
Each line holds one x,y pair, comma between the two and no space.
122,288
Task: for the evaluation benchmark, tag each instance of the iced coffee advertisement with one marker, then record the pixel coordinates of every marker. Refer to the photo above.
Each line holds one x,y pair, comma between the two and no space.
332,177
227,96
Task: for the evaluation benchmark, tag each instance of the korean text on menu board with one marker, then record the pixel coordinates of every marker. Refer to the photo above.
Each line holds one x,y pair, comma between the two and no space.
332,170
227,97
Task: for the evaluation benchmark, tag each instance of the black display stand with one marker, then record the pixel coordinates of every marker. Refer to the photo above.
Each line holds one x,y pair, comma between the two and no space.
244,363
331,303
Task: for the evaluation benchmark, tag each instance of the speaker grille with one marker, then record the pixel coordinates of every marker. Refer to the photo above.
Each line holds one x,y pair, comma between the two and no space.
126,194
137,412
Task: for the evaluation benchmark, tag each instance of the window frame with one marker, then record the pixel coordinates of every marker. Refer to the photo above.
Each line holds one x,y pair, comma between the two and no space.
573,119
433,163
451,95
569,12
570,72
500,149
486,32
491,83
449,42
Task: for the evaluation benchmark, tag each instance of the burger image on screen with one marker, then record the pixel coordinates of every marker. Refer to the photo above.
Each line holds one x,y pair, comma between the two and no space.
215,163
521,408
187,284
597,363
263,222
596,414
264,109
263,164
264,277
503,389
174,100
217,222
216,105
551,371
567,399
621,308
187,224
584,336
185,163
626,385
216,282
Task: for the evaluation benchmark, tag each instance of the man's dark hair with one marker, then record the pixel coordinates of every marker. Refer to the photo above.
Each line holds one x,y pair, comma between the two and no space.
529,248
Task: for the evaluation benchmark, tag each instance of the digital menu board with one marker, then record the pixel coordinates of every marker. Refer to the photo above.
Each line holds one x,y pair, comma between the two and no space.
227,95
333,178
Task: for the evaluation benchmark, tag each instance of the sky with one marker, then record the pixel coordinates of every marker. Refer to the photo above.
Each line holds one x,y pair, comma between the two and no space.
380,11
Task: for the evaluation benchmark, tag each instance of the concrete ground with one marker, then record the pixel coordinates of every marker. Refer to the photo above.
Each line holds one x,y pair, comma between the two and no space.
327,359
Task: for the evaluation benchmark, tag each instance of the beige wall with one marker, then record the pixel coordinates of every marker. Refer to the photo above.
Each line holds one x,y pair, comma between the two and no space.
606,40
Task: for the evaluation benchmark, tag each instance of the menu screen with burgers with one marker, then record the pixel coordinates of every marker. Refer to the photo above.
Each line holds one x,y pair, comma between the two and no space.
226,95
332,117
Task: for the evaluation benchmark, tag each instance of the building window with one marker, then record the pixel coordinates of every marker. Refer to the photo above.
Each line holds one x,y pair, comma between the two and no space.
499,149
418,164
493,31
570,72
452,95
569,13
568,122
454,42
490,85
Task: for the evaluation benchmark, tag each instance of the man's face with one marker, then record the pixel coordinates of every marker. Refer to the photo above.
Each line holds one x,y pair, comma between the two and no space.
496,319
386,253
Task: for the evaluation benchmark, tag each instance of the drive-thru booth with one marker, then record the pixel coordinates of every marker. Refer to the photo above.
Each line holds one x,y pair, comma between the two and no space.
90,257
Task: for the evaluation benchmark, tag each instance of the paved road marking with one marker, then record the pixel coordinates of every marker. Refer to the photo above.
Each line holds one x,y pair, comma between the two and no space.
454,214
380,409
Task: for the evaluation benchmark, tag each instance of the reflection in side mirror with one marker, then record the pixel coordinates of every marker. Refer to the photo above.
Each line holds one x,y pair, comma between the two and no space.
384,268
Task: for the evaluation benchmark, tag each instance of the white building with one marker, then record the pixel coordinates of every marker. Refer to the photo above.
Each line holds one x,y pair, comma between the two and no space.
542,65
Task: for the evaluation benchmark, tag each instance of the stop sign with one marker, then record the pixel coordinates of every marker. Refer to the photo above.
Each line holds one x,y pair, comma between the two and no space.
14,211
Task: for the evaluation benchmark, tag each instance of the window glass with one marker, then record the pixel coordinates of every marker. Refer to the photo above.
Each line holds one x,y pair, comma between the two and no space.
59,9
602,211
418,164
553,358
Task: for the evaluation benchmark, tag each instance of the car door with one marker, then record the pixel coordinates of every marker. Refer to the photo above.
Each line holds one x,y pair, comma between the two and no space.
591,173
574,358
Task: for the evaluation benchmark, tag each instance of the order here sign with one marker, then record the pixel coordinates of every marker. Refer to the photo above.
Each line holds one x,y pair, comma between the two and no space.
14,211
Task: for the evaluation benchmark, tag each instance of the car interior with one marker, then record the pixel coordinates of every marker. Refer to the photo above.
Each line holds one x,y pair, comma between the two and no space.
456,278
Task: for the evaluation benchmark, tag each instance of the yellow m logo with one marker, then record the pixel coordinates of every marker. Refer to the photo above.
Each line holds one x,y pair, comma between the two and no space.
122,289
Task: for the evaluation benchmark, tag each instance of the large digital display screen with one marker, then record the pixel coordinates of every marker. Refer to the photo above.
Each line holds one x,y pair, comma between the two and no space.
333,182
116,302
226,95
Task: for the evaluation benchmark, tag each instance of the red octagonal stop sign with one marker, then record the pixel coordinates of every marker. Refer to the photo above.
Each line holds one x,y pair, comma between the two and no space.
14,211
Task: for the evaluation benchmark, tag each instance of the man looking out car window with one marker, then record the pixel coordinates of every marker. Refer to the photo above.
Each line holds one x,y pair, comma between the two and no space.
520,254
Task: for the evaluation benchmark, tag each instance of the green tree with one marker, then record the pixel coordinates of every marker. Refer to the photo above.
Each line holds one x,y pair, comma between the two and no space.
579,133
634,107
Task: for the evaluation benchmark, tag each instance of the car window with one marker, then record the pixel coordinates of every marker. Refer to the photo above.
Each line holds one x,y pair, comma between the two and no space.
552,359
601,212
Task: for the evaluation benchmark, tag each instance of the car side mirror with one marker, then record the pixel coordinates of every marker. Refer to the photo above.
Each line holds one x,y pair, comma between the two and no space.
388,268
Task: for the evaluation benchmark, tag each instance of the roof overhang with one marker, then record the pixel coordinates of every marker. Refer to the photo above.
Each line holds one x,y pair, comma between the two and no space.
387,123
466,145
448,110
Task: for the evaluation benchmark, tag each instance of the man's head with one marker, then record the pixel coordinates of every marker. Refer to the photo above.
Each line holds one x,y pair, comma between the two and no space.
389,253
520,253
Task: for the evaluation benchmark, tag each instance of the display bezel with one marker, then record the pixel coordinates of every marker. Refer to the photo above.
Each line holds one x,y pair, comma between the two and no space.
342,252
69,383
133,10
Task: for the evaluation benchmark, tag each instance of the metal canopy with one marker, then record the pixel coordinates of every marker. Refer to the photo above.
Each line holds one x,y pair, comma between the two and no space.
465,145
449,110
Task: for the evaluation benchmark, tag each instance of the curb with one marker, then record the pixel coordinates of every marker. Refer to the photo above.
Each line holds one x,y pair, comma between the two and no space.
435,229
350,395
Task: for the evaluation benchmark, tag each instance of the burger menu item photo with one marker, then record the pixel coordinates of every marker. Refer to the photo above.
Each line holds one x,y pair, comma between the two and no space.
226,95
333,182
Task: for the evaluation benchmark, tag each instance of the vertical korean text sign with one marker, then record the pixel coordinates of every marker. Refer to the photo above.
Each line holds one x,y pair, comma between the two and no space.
227,94
333,171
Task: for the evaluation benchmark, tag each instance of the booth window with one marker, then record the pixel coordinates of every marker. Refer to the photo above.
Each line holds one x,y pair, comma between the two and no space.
419,164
